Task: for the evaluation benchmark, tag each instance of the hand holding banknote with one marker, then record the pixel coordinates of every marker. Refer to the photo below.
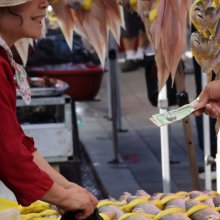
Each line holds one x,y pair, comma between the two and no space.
208,103
210,98
175,115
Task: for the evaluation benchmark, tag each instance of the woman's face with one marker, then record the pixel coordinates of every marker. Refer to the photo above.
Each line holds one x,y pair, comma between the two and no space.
12,27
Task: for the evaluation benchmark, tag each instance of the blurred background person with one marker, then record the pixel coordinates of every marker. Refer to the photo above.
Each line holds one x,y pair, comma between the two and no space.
134,41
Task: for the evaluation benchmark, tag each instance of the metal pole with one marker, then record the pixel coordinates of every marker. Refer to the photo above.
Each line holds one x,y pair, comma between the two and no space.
206,141
119,121
112,70
115,66
76,142
108,79
164,138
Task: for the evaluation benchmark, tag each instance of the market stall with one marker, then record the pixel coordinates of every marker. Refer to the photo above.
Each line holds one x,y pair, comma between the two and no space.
58,126
194,205
164,20
48,118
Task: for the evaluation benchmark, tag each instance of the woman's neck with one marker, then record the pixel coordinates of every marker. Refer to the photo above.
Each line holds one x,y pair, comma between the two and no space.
8,39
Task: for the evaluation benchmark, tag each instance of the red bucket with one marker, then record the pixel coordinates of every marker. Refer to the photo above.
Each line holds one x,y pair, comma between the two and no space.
84,80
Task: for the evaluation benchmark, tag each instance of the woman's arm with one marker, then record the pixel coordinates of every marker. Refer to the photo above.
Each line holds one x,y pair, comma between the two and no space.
47,168
65,194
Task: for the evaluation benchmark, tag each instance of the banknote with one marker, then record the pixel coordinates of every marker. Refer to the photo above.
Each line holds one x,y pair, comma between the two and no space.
174,115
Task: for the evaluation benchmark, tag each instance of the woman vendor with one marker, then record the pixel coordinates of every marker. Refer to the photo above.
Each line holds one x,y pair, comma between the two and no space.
23,170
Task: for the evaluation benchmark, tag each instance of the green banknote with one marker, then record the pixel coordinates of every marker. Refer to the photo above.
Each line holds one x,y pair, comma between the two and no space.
173,115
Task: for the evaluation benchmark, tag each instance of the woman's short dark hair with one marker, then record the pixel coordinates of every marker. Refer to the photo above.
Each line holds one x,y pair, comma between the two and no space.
9,9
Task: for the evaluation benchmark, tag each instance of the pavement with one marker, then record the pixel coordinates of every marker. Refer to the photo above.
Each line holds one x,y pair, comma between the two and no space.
139,148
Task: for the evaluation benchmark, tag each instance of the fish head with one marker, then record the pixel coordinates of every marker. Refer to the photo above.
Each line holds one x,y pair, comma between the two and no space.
206,51
125,195
198,12
202,47
204,17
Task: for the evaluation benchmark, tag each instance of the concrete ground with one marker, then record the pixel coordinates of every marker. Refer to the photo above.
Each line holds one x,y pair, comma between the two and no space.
139,141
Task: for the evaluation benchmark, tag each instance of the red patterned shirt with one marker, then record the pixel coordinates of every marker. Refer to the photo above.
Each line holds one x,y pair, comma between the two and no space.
17,169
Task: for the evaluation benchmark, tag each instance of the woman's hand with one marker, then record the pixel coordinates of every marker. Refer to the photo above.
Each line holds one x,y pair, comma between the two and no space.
75,199
79,201
66,195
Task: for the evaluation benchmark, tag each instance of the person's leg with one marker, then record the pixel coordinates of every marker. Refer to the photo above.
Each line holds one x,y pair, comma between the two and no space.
142,45
130,47
129,39
130,63
142,40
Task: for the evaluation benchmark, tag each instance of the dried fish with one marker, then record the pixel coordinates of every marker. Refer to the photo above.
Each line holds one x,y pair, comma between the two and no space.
105,206
165,23
65,20
199,211
114,18
94,29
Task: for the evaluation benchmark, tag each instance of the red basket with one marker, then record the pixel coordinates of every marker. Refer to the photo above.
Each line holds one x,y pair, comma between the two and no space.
84,79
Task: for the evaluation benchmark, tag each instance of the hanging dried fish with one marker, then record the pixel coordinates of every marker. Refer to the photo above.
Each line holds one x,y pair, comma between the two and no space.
206,52
205,16
114,18
65,19
165,24
90,26
144,7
